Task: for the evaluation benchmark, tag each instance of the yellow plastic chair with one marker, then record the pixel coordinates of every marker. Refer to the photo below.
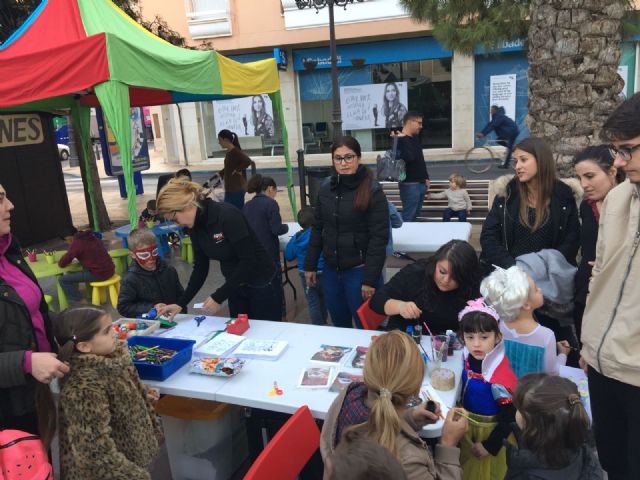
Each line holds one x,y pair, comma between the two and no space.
187,250
49,300
120,259
99,292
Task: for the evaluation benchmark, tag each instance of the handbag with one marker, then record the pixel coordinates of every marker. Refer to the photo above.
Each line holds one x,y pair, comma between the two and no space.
390,168
22,456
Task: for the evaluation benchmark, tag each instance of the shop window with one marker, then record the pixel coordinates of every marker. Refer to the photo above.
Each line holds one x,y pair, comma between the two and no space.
428,91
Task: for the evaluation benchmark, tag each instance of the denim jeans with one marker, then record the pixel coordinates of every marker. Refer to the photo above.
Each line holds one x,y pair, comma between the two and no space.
508,143
448,213
235,198
343,294
412,197
260,301
315,300
69,281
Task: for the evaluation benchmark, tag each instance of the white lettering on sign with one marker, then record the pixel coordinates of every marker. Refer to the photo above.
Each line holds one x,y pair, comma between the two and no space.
20,129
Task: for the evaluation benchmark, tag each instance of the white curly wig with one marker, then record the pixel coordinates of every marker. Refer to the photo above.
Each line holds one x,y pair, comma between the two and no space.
506,290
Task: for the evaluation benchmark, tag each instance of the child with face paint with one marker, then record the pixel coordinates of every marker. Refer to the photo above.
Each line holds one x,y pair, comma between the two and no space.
150,281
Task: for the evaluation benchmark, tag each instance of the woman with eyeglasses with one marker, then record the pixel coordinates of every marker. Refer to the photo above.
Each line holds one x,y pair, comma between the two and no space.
220,232
532,211
351,229
594,167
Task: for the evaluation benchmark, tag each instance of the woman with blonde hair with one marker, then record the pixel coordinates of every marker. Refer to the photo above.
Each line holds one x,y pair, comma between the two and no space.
393,374
219,232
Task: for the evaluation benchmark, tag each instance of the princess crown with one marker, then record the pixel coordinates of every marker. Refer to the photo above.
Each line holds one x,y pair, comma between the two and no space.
478,305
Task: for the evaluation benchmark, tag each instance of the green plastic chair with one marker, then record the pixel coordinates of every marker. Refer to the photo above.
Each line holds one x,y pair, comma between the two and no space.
120,259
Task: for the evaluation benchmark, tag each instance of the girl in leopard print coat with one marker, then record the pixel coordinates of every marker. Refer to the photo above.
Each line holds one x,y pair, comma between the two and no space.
108,429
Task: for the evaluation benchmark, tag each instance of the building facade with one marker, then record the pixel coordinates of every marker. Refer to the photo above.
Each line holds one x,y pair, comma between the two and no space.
387,64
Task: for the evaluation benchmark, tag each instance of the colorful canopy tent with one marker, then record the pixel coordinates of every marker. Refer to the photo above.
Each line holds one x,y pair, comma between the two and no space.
76,54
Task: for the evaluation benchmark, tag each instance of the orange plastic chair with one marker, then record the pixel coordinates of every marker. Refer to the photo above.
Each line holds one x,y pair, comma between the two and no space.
289,450
370,319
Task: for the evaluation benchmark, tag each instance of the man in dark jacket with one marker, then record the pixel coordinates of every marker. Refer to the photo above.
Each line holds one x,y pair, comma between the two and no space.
506,131
150,281
414,187
93,257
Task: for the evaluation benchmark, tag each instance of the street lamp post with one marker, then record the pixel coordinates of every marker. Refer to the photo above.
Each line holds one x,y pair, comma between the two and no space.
319,4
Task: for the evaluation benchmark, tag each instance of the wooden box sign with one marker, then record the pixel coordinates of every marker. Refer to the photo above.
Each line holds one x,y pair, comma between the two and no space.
20,129
31,173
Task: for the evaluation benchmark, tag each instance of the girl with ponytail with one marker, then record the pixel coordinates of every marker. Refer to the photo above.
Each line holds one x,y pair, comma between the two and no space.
393,374
98,440
553,432
234,172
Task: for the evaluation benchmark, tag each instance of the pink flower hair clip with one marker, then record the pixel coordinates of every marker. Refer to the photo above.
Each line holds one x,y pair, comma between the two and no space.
478,305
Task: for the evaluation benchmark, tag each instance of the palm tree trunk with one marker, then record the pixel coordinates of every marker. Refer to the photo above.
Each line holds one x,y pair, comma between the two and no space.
574,50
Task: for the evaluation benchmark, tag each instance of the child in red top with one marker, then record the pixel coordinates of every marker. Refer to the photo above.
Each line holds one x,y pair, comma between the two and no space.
93,257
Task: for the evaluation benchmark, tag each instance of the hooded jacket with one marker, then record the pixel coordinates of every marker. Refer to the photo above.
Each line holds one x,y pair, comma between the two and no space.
17,389
348,237
497,235
414,456
91,254
524,465
504,127
141,290
108,428
610,326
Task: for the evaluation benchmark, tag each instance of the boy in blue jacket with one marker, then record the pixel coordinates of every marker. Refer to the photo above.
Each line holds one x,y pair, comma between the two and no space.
297,248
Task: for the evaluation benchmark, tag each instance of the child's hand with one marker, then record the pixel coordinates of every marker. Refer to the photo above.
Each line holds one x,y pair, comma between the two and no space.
153,395
454,429
428,196
468,212
310,278
210,306
563,347
423,417
479,451
367,292
409,310
169,311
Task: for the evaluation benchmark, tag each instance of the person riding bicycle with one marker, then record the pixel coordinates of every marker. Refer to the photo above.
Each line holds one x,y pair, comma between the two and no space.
506,131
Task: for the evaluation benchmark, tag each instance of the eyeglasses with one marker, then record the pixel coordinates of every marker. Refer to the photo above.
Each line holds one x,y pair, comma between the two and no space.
348,158
146,253
623,152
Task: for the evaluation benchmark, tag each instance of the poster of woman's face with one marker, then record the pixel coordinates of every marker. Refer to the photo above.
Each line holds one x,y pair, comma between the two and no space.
246,116
375,105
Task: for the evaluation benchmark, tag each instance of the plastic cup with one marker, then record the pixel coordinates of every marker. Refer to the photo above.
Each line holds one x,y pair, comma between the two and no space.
438,341
50,259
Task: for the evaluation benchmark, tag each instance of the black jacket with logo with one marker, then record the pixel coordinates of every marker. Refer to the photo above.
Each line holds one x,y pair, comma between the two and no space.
141,290
348,237
221,232
17,389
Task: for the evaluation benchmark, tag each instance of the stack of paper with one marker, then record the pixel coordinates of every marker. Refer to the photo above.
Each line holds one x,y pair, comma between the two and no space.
261,349
221,345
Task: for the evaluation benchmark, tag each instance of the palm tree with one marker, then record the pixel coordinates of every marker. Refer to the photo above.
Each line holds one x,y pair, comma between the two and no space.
573,51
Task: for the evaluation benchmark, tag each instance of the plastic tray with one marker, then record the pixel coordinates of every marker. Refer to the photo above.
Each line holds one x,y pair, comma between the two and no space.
153,326
162,372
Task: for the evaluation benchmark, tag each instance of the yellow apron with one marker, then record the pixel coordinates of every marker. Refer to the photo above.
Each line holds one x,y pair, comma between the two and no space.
486,468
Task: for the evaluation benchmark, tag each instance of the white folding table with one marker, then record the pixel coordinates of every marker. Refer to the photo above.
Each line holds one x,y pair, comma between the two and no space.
411,237
251,386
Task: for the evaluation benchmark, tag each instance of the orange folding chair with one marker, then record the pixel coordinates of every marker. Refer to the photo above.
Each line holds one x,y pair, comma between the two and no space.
289,450
370,319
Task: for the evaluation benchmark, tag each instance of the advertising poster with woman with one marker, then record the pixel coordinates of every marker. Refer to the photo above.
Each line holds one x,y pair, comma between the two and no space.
246,116
379,105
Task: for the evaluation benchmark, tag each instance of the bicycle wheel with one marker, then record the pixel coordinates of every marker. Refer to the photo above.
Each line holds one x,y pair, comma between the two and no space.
479,159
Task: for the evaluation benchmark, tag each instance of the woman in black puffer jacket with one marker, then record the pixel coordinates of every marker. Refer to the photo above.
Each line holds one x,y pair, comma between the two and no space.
351,229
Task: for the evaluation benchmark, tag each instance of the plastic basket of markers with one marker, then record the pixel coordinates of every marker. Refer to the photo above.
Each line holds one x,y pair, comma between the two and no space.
157,358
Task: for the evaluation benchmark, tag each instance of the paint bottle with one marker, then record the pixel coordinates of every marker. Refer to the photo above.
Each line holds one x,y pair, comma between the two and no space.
417,333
